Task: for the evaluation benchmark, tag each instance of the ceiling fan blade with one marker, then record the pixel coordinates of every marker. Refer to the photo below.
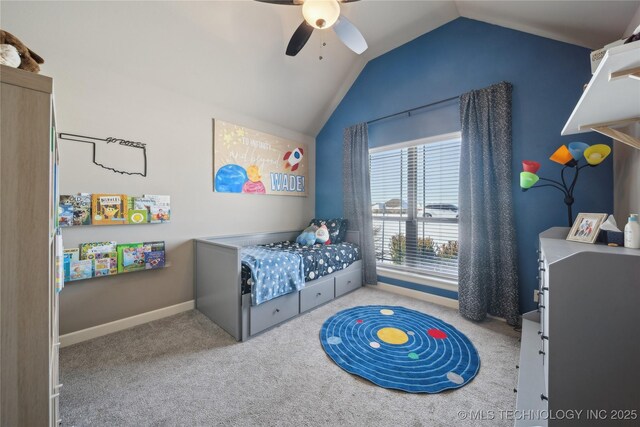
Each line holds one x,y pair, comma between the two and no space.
349,35
284,2
299,38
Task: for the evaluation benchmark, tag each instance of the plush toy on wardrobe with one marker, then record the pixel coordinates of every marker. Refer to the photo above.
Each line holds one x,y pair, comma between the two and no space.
16,54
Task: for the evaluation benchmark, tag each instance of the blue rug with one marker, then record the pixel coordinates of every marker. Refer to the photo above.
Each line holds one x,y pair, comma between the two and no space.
398,348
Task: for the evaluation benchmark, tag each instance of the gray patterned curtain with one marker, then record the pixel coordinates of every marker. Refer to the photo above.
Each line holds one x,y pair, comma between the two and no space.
488,275
357,195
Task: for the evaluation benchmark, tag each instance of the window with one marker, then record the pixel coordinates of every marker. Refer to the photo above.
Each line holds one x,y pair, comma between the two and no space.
414,195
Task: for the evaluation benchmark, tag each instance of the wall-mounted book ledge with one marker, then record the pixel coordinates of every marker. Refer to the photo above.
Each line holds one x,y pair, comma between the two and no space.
103,259
84,209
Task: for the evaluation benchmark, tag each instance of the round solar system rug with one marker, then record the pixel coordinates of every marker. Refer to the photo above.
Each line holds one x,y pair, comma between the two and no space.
398,348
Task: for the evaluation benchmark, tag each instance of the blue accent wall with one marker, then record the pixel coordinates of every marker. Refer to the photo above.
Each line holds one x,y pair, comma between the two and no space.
460,56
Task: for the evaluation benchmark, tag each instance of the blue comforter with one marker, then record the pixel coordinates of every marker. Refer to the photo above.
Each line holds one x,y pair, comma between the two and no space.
273,272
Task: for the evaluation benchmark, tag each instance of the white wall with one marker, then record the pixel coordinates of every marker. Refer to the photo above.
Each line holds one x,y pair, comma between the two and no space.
103,99
626,178
626,163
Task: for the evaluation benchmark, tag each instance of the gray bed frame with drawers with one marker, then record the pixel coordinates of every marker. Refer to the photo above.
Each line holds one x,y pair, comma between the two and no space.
218,285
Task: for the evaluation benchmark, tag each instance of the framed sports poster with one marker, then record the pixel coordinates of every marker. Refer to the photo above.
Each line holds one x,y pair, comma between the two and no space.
251,162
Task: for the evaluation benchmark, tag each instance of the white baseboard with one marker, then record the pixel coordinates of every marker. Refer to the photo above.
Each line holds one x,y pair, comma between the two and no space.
423,296
128,322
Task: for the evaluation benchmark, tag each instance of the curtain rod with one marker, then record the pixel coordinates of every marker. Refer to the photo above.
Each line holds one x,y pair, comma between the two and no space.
409,111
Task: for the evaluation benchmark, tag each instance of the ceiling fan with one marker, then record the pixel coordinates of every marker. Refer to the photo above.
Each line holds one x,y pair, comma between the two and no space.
321,15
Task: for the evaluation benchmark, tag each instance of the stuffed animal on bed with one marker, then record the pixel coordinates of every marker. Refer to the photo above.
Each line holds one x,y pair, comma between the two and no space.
16,54
322,235
308,236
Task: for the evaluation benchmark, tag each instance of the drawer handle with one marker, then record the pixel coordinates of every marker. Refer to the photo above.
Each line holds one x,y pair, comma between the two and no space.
53,396
543,397
544,337
318,294
515,390
541,352
349,281
517,366
542,269
59,386
542,306
277,311
545,288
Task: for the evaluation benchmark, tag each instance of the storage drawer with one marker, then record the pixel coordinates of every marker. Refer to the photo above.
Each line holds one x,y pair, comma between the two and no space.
273,312
347,282
317,294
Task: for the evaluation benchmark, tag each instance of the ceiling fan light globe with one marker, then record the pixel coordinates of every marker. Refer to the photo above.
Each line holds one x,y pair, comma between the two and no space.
321,14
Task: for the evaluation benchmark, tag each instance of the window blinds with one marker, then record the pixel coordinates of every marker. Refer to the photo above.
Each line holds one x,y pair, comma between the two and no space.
414,194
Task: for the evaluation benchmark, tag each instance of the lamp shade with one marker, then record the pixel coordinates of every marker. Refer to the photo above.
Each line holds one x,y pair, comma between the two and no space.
577,149
321,13
596,154
528,180
530,166
562,155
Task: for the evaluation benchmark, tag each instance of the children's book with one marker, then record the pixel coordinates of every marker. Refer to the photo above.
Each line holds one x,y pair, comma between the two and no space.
65,214
153,246
130,257
154,259
143,203
81,207
68,256
109,209
90,250
81,269
105,266
138,216
160,209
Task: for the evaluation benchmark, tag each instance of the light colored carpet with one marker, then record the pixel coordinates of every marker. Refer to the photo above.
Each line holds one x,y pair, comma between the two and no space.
184,370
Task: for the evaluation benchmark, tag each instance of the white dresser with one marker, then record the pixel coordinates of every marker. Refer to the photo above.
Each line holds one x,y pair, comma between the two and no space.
580,352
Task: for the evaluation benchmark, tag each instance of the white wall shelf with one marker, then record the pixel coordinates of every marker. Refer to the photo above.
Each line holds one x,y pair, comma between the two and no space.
69,282
612,97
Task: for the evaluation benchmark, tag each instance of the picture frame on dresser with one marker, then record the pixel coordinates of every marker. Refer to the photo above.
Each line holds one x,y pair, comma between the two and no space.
586,227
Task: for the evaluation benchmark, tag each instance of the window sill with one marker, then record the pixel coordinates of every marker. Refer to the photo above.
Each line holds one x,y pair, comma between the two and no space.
420,279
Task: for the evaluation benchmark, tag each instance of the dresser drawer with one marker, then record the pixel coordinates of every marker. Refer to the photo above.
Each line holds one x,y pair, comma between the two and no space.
347,282
271,313
316,294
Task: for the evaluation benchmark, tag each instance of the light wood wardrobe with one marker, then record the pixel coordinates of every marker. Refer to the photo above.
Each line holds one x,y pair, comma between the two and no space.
29,341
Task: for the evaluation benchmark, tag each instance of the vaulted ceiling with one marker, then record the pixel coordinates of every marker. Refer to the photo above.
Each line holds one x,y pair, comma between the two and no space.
231,53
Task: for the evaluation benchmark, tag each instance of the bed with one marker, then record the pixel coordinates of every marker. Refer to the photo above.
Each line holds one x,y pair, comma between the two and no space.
226,293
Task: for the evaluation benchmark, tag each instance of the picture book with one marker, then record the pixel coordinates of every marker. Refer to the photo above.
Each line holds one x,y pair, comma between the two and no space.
160,209
68,256
154,259
130,257
81,269
138,216
106,266
153,246
81,207
143,203
65,214
109,209
95,250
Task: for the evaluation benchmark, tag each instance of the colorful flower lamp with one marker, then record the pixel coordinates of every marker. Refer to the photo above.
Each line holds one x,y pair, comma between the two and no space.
569,157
